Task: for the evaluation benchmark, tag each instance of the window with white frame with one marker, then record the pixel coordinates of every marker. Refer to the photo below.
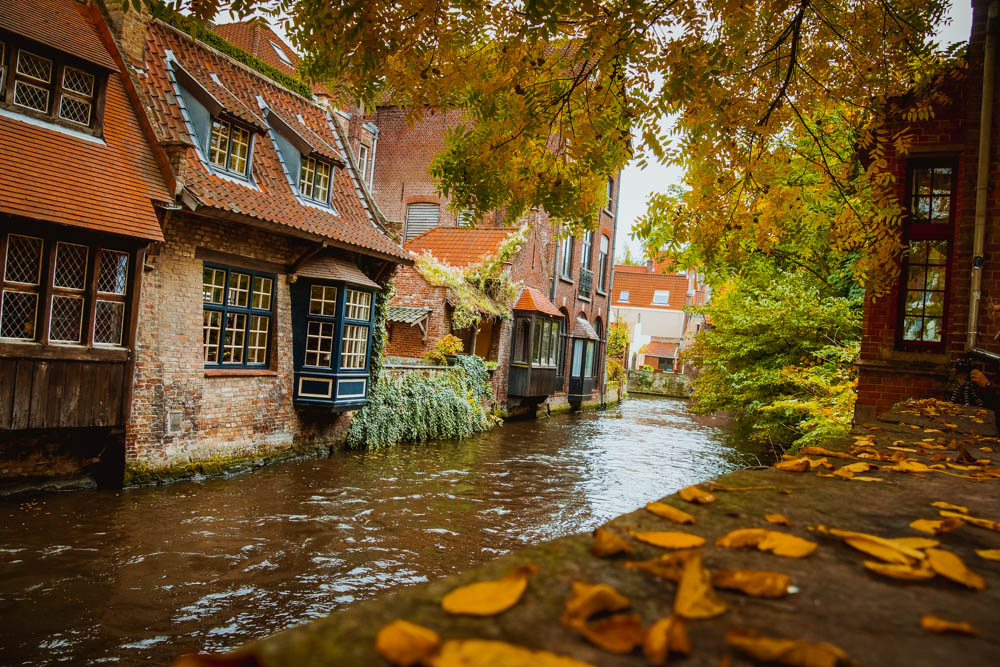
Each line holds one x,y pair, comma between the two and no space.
43,84
588,249
282,56
623,296
229,147
237,312
661,298
354,348
602,264
566,257
359,305
71,308
363,162
610,191
315,177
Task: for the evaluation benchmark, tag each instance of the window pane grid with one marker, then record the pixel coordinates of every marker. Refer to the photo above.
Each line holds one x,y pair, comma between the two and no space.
234,337
923,306
78,81
262,293
323,300
18,313
71,266
359,305
257,343
239,290
321,191
240,150
307,176
931,195
235,332
219,143
319,344
211,330
33,66
31,97
355,347
109,318
112,277
24,259
66,320
213,285
74,110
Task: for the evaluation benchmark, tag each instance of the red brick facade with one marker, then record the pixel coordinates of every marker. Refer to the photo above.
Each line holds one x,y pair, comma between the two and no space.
892,369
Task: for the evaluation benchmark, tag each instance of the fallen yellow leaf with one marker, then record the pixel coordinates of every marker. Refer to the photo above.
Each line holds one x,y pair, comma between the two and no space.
796,465
989,554
404,643
670,512
487,598
909,465
862,478
951,566
619,633
909,450
779,519
915,542
693,494
935,526
792,652
762,487
669,566
860,466
664,637
489,653
821,451
669,539
589,599
935,624
975,521
917,572
756,583
778,543
695,597
882,548
607,543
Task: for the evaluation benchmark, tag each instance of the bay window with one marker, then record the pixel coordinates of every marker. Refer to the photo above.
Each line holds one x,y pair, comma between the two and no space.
928,233
62,292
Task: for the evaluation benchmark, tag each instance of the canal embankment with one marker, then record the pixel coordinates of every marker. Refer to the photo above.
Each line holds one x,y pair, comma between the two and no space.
914,495
654,383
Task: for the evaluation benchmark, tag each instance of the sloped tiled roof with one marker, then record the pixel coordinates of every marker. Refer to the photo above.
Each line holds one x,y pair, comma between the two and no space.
406,314
660,349
582,329
642,286
48,173
270,198
255,36
332,268
532,299
459,246
64,25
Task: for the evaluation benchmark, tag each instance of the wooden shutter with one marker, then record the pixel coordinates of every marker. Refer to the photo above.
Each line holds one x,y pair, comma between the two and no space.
420,218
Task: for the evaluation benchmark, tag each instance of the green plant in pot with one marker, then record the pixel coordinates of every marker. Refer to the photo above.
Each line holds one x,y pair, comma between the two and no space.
445,350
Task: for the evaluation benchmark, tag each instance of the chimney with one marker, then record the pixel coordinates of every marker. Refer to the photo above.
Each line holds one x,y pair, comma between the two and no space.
128,26
649,266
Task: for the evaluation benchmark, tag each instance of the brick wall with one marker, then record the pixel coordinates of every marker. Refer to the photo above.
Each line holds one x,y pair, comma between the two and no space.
219,416
413,290
888,372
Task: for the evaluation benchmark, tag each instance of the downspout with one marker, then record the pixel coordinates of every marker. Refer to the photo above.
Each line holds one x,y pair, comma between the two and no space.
611,292
983,174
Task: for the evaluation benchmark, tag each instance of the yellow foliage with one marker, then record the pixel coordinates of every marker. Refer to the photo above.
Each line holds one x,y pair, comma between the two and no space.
487,598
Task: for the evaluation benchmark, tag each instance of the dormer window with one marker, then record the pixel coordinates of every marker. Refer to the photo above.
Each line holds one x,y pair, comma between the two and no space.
314,179
35,82
229,147
281,54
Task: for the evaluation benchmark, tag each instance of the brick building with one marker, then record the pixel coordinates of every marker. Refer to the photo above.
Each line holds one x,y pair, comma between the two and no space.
258,305
570,276
80,183
948,186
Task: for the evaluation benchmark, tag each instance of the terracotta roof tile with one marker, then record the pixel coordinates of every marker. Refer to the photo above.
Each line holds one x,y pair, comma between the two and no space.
332,268
660,349
642,286
532,299
47,173
255,36
582,329
459,246
271,198
61,24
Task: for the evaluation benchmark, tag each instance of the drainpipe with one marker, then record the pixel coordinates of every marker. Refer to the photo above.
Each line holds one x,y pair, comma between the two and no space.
611,291
983,173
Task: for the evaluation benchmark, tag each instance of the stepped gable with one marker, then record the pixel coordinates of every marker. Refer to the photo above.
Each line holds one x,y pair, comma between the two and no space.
50,172
270,197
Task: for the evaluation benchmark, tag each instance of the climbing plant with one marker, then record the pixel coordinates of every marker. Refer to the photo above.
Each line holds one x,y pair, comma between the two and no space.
485,288
418,407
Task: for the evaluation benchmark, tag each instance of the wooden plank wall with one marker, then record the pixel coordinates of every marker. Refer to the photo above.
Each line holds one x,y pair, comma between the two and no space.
53,393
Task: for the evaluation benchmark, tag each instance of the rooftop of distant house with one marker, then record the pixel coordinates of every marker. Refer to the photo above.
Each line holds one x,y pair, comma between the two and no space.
647,287
259,39
459,246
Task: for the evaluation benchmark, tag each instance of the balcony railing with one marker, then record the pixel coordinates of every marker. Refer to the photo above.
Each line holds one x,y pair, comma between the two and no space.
586,284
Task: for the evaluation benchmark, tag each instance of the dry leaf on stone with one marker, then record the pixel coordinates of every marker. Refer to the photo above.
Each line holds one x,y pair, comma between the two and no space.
975,521
487,653
942,505
821,451
779,519
664,637
792,652
950,566
778,543
935,624
862,478
882,548
909,465
915,542
695,597
668,539
860,466
589,599
619,633
693,494
935,526
669,566
487,598
670,512
920,571
607,543
756,583
762,487
989,554
404,643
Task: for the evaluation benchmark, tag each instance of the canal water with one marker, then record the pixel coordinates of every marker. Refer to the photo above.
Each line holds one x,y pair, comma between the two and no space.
142,575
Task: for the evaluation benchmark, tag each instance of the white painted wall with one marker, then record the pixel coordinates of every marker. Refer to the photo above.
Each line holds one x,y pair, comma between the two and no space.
648,323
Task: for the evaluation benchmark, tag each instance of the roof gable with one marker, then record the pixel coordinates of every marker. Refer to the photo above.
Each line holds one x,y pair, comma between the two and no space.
460,246
642,289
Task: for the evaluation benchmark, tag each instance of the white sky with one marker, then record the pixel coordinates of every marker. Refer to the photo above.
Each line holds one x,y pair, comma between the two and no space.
637,184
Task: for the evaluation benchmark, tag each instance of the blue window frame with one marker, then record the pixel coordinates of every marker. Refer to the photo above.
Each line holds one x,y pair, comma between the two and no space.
237,317
332,332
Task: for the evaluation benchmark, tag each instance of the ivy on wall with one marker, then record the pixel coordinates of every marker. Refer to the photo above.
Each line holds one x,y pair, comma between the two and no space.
201,33
419,407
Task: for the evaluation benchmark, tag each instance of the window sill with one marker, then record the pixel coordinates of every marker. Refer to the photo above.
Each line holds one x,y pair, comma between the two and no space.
583,298
239,372
602,292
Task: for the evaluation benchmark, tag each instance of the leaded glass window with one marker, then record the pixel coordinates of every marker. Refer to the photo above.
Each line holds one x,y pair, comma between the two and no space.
236,322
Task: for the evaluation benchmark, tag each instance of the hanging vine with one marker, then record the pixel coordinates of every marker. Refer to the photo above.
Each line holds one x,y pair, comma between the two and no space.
483,289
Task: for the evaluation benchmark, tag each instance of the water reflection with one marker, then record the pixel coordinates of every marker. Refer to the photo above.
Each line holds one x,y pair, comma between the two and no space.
145,574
